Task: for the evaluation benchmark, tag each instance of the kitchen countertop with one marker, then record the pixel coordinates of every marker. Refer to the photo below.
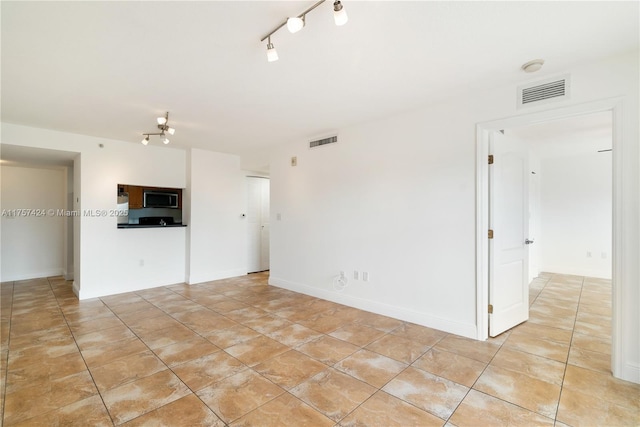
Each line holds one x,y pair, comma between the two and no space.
150,226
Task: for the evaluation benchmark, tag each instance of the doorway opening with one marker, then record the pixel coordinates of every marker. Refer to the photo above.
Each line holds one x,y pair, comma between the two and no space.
257,224
484,262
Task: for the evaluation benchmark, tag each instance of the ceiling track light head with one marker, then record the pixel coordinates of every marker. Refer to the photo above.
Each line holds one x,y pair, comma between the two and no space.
272,53
339,13
295,24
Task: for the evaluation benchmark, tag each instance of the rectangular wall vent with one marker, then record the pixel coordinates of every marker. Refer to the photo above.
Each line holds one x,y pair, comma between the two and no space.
550,90
324,141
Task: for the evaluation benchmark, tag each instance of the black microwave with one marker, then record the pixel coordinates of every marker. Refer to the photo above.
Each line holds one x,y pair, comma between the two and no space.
160,199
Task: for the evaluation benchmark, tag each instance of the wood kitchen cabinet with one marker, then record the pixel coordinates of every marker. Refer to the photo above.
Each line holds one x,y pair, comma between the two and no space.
135,195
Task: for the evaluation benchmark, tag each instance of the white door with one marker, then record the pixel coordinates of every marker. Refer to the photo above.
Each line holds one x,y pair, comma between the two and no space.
508,219
257,224
264,227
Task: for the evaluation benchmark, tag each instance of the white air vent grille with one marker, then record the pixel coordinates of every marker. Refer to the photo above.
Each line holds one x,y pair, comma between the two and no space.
324,141
543,92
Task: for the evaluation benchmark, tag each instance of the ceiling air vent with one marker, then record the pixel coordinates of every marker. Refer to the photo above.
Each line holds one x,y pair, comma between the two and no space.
543,92
324,141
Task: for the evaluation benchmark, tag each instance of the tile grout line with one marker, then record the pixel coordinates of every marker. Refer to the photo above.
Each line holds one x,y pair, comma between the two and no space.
80,353
159,358
566,365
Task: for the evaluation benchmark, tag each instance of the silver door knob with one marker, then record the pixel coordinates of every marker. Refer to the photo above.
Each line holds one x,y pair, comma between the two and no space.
528,242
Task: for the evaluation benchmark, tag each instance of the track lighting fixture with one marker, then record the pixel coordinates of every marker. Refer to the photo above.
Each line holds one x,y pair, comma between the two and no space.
163,125
296,23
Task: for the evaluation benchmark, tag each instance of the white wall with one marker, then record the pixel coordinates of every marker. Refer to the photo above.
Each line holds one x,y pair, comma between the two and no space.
534,216
32,245
396,198
576,215
110,260
217,229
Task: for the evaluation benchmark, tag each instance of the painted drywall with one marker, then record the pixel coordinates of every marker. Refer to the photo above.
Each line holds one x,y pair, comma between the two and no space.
33,238
67,272
396,199
217,227
535,232
576,211
108,260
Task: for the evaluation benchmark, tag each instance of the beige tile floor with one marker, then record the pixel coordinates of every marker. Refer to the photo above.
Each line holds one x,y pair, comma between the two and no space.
241,353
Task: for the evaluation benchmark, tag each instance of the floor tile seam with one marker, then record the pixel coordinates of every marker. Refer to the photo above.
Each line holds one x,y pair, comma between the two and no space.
557,403
173,317
486,367
271,400
538,294
599,396
532,376
566,366
95,385
311,405
401,361
173,401
415,405
554,419
533,335
284,391
511,347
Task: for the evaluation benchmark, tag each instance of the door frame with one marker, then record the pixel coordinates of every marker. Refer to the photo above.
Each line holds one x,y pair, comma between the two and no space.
482,209
247,177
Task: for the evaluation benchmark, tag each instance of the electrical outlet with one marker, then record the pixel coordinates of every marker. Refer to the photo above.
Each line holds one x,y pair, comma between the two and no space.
356,275
588,254
365,276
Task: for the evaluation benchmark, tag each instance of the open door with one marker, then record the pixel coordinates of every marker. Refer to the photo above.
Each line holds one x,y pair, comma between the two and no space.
508,222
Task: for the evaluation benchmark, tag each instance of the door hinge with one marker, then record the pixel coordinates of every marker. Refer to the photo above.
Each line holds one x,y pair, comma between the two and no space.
490,234
490,159
490,308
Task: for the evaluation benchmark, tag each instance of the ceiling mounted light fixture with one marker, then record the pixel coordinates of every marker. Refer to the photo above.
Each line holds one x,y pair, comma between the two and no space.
272,53
295,24
339,13
533,66
163,125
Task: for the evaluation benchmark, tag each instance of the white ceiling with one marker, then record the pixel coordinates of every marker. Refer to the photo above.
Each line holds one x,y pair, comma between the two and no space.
109,68
584,134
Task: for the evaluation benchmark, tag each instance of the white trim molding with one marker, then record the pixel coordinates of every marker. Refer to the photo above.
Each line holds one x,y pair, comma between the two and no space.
623,273
419,318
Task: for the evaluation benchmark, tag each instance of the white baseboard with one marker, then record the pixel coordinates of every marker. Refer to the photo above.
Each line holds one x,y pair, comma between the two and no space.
595,273
68,275
630,372
14,277
76,288
215,275
408,315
